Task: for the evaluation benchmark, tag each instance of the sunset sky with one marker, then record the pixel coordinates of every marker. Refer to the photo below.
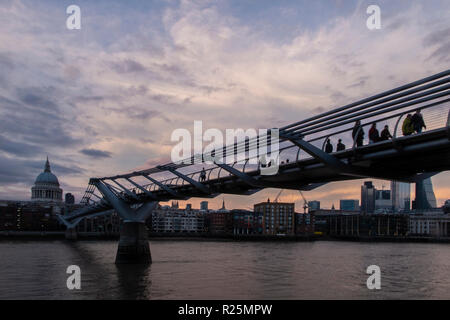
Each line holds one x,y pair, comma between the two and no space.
105,99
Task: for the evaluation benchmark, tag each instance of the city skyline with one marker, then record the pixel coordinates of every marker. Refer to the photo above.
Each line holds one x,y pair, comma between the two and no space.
138,69
47,176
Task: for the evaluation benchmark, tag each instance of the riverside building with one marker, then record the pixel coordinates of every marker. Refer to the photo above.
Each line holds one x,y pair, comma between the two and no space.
278,217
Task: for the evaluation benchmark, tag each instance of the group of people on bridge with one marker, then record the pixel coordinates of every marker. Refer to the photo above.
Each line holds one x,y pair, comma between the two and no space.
412,124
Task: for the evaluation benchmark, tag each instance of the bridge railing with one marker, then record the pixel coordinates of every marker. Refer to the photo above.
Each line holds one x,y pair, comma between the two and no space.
432,115
407,97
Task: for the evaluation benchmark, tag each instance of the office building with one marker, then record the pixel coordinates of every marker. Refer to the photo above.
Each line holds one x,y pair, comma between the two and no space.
174,220
313,205
383,201
204,205
401,196
364,225
349,205
431,223
247,222
278,217
29,216
304,223
425,198
367,197
219,221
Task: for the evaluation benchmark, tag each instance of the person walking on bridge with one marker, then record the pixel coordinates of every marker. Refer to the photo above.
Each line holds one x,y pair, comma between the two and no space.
417,122
328,147
385,134
407,126
374,136
203,175
340,146
358,133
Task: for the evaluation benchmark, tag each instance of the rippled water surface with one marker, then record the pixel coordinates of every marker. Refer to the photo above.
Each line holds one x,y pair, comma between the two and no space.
226,270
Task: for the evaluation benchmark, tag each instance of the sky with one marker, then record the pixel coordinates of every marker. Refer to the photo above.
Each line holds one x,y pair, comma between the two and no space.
105,99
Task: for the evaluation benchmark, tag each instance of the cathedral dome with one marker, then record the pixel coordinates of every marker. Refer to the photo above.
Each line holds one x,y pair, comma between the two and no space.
46,187
47,176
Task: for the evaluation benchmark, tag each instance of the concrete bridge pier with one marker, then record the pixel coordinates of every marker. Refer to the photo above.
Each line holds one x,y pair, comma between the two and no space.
71,234
133,244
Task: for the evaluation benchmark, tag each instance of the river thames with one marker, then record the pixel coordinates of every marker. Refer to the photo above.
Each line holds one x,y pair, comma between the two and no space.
226,270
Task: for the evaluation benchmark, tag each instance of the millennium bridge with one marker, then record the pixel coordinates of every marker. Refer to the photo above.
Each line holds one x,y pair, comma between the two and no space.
300,162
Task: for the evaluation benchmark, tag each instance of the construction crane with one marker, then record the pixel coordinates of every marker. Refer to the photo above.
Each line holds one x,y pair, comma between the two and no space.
305,203
278,195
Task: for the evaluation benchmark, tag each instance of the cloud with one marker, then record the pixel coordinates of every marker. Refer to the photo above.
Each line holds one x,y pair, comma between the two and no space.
13,170
38,98
17,148
34,117
6,62
128,66
95,153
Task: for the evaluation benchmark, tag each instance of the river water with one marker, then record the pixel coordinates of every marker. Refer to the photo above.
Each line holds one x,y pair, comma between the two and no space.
226,270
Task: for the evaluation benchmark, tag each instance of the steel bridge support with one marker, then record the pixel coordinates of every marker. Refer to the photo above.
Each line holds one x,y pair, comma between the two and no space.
133,247
71,231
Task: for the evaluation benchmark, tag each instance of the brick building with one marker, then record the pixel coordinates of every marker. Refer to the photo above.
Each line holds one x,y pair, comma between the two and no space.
278,217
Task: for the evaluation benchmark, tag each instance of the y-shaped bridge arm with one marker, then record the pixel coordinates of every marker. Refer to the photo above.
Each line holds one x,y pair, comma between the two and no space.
328,159
164,187
241,175
72,223
122,208
319,154
196,184
151,195
128,192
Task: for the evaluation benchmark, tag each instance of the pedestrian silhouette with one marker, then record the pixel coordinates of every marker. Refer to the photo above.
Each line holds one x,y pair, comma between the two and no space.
374,136
417,122
340,146
385,134
358,133
328,147
407,126
203,175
